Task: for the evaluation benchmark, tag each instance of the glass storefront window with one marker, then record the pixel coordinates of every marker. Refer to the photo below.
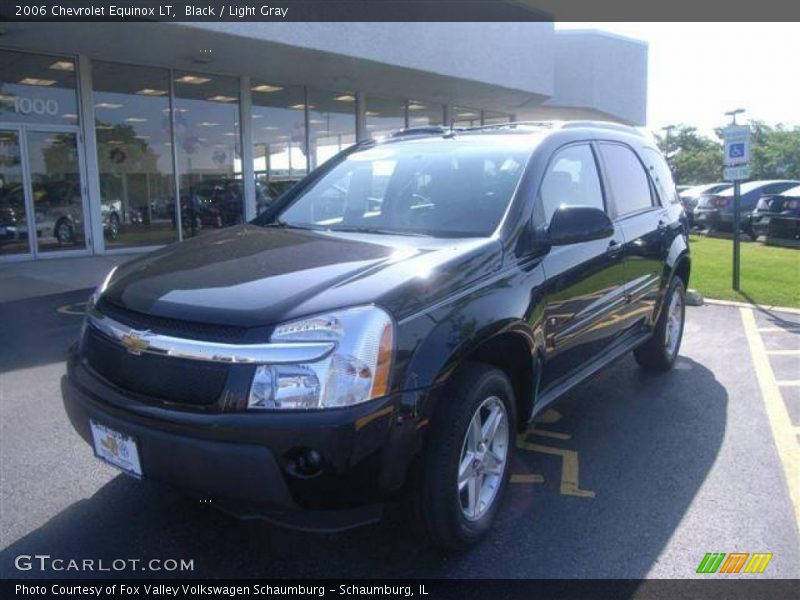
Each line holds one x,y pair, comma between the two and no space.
208,150
37,89
13,218
331,123
384,116
134,154
495,118
54,169
279,139
465,117
421,114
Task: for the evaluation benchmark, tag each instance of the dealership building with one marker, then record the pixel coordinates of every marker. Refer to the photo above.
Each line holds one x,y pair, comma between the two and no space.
120,137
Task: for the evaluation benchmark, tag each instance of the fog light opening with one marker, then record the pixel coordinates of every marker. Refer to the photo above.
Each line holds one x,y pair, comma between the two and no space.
304,462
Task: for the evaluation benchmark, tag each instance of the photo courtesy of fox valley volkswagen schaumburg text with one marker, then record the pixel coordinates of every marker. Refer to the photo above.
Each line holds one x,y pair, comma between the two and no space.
348,291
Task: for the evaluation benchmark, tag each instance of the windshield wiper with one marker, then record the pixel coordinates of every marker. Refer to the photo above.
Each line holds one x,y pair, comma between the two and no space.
280,224
377,230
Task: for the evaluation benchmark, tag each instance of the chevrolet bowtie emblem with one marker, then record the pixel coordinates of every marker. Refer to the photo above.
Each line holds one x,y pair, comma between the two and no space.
135,342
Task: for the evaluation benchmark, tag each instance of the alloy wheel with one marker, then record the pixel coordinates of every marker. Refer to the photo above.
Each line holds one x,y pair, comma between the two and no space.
484,454
674,323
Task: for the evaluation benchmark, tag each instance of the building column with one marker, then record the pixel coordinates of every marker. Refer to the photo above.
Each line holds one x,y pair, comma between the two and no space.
94,217
447,115
361,117
245,125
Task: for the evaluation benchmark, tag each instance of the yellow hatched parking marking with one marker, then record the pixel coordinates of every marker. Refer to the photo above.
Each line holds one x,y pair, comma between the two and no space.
525,478
781,352
783,432
789,383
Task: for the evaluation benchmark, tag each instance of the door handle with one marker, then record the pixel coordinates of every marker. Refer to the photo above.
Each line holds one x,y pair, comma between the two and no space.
614,248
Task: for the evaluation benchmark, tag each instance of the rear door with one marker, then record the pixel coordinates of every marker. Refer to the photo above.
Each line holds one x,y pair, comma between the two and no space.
644,223
585,284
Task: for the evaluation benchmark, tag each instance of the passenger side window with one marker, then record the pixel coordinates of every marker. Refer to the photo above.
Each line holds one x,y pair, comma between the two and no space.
571,180
627,179
662,176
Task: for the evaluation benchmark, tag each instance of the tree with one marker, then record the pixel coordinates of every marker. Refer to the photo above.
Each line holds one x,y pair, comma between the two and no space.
693,157
775,153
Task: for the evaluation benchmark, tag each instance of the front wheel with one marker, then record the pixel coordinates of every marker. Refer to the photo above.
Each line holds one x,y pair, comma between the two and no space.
468,459
661,350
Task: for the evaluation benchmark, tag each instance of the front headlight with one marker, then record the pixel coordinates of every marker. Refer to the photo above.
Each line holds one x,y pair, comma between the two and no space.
356,370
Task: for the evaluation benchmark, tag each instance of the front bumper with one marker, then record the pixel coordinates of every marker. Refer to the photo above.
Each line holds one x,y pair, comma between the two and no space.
243,462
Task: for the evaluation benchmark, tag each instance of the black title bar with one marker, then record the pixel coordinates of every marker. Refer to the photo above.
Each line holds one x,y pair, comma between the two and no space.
396,10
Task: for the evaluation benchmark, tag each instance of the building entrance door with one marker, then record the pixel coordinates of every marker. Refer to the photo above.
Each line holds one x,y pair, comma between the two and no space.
43,208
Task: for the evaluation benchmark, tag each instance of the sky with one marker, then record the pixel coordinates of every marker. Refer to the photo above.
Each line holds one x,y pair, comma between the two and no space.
698,71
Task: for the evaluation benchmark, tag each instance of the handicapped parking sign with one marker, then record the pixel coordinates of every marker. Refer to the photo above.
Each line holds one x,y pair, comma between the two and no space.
737,145
736,150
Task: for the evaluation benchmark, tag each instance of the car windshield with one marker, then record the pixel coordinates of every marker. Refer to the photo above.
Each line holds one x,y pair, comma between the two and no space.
443,187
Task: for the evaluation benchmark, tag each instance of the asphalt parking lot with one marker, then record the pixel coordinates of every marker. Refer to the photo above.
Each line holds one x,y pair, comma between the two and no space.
631,476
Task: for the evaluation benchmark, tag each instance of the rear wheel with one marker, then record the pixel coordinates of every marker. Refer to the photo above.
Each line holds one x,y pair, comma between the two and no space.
661,350
467,466
63,232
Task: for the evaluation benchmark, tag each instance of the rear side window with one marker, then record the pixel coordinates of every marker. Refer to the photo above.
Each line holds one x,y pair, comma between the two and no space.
661,175
627,179
571,180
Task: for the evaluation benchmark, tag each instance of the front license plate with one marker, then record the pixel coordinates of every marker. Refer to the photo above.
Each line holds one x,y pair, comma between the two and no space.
116,448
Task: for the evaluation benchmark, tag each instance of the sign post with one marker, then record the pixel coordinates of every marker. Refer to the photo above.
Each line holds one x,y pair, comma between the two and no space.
737,167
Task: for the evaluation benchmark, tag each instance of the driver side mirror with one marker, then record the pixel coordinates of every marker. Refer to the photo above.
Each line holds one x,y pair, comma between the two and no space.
575,224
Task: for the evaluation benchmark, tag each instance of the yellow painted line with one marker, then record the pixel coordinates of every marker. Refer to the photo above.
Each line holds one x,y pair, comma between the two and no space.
551,415
782,352
525,478
782,430
569,468
551,434
78,309
789,383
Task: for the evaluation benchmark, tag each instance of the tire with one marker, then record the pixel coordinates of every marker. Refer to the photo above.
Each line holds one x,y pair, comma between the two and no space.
442,509
63,232
661,350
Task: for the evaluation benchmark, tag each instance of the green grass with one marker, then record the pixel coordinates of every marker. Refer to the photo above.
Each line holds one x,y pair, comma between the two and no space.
769,275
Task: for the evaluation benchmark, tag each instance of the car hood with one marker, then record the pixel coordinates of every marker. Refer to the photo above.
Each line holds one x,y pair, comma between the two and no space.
254,276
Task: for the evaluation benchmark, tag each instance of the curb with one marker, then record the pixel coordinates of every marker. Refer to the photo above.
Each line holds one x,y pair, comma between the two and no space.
786,309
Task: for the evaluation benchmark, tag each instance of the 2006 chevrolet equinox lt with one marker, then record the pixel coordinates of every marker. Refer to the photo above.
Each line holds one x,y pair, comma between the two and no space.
387,326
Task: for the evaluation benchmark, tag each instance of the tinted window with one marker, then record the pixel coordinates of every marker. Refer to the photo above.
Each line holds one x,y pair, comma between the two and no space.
626,178
776,188
661,175
437,188
571,180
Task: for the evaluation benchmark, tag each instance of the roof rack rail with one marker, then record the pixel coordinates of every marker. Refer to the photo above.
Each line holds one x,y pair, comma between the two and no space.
513,125
421,130
556,124
602,125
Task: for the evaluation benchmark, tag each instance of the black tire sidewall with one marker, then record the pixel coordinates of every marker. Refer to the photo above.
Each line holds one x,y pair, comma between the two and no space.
442,510
676,286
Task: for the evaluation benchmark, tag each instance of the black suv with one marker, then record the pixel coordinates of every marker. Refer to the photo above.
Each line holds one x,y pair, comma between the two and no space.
387,327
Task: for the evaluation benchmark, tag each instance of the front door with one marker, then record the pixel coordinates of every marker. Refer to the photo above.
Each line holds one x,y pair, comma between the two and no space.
42,192
585,281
